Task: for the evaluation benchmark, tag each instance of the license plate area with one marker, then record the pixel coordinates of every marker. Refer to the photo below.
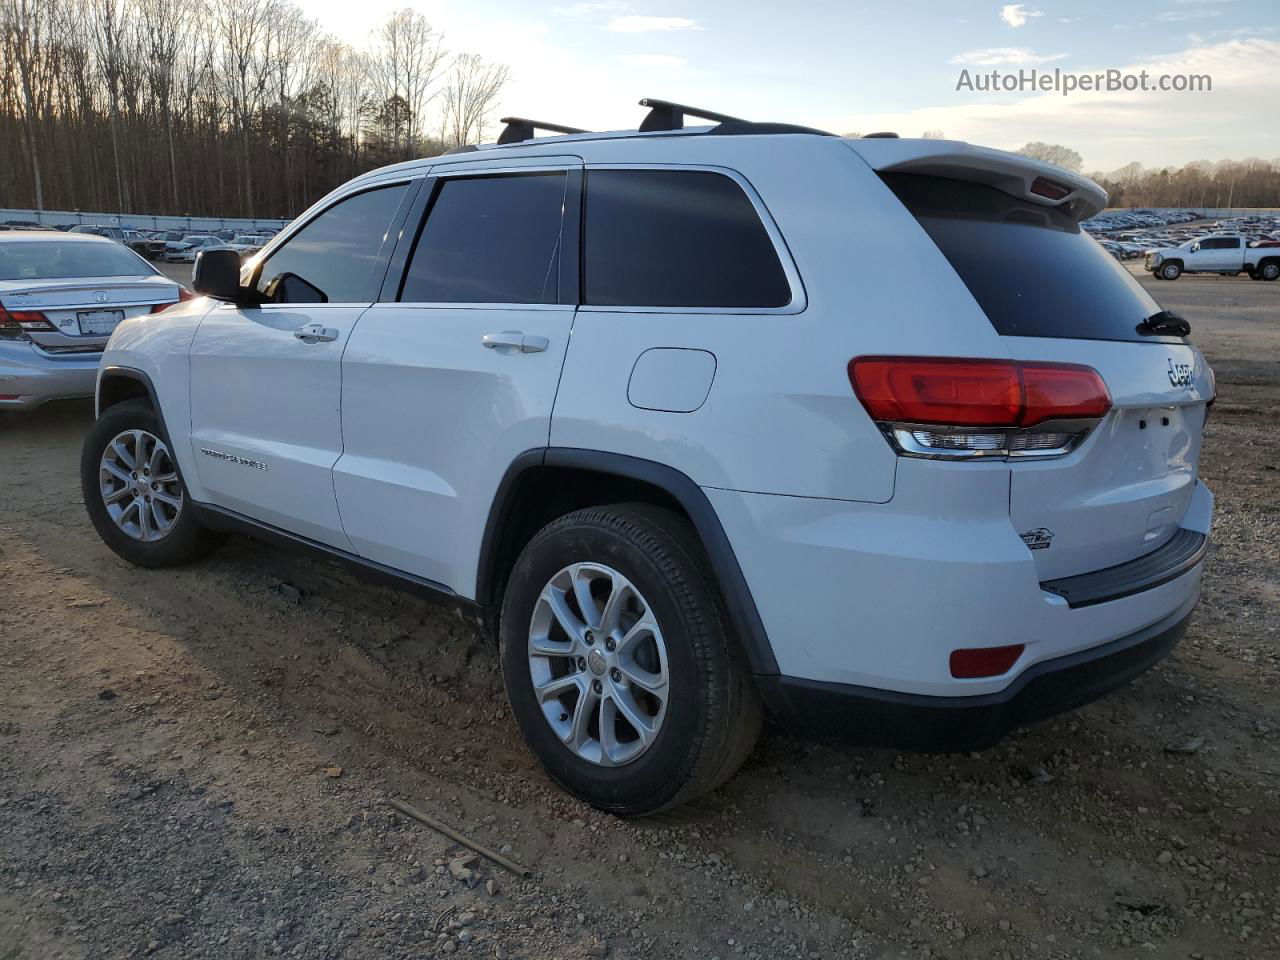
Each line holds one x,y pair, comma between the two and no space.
99,322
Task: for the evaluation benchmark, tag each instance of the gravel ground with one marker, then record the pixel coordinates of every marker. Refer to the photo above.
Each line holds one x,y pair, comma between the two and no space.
193,763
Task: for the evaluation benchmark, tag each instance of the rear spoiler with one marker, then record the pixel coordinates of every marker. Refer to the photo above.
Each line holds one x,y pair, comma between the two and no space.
1016,175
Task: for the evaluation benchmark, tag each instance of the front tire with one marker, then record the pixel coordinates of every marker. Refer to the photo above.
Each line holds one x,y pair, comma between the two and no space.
619,664
1170,271
134,493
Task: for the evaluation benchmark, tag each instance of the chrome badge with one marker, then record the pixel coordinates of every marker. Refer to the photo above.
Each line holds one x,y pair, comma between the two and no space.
232,458
1179,373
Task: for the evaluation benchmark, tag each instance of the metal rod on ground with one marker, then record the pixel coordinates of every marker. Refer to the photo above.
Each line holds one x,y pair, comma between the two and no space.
454,835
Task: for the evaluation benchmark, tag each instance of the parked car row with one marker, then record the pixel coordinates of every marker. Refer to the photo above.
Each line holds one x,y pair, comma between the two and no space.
1169,245
1137,219
167,245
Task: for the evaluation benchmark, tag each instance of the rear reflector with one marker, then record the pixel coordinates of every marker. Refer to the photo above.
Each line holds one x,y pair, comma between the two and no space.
984,661
976,393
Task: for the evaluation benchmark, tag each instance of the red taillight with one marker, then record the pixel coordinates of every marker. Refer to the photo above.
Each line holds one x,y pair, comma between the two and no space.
976,393
984,661
183,295
15,323
1062,392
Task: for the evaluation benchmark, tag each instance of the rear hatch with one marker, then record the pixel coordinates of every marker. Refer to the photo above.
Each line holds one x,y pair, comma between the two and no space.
1054,294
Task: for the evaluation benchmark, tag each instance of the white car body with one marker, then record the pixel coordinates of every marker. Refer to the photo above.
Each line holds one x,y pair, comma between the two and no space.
852,571
185,250
53,330
1214,253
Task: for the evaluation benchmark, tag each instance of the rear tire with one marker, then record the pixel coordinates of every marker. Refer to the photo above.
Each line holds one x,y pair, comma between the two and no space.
1170,271
133,490
708,716
1269,271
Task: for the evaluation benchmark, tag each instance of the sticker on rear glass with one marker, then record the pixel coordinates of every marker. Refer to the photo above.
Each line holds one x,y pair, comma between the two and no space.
1040,538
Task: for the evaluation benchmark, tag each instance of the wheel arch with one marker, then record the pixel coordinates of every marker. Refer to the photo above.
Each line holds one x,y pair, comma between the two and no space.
117,384
540,485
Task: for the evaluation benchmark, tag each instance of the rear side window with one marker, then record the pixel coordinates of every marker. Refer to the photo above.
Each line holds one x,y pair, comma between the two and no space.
335,258
1031,268
489,240
676,238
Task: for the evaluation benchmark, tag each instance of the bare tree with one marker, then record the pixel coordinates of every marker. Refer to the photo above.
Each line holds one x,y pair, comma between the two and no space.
469,98
1054,153
407,57
30,61
214,106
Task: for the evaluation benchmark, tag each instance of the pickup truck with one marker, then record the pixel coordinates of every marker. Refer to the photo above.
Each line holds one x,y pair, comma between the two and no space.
1225,254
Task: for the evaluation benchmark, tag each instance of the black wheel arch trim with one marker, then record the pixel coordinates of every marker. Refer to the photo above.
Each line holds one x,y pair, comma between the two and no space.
131,373
743,614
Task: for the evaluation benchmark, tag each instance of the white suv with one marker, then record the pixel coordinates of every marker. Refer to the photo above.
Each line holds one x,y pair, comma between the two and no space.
715,421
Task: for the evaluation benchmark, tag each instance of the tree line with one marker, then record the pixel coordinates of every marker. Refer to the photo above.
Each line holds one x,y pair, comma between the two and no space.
234,108
1203,183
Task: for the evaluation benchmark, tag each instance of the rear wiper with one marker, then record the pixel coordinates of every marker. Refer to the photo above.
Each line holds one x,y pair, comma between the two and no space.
1164,324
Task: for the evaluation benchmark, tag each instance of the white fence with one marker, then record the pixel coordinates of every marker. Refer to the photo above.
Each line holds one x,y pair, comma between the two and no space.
136,221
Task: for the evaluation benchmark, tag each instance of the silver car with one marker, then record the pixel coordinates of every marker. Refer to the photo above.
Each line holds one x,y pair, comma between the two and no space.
61,296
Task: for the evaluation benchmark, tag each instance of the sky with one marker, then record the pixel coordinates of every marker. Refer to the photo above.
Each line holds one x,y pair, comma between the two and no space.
856,66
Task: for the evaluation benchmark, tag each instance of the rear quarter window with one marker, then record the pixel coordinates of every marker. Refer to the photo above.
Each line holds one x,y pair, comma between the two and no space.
677,238
1032,269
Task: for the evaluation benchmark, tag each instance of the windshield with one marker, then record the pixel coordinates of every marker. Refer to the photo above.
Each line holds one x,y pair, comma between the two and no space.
55,260
1032,269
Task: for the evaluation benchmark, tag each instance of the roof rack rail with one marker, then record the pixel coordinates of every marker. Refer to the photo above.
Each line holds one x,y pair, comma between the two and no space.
519,128
665,115
880,135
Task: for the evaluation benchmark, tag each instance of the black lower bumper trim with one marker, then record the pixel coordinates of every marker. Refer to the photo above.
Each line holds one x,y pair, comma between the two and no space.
1184,550
903,721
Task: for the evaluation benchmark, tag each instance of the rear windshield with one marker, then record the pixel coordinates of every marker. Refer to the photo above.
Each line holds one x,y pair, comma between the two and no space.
66,259
1033,271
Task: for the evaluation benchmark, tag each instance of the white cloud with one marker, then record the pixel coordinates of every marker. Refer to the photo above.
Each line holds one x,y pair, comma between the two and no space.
641,24
1000,56
1198,13
589,9
1111,129
1017,14
652,60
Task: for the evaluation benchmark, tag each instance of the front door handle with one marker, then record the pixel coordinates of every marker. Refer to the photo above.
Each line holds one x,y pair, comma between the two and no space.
515,340
315,333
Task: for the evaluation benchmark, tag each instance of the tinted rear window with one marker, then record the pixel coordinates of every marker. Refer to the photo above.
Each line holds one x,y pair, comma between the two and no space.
677,238
490,240
1031,269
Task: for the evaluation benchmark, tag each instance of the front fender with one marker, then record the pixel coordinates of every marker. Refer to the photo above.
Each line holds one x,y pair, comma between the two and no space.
154,349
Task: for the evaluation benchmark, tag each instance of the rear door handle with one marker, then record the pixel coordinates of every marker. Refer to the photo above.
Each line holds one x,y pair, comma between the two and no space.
516,340
315,333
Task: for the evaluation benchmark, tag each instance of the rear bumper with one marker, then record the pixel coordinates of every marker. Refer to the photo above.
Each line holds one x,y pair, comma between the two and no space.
906,721
34,378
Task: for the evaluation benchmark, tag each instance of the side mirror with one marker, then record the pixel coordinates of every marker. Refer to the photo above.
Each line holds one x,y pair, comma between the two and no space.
1195,248
216,274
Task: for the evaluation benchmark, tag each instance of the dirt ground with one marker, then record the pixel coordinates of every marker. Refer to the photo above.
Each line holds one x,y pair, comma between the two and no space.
193,763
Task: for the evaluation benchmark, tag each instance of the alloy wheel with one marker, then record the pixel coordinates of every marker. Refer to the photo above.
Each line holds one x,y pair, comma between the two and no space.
598,664
139,484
